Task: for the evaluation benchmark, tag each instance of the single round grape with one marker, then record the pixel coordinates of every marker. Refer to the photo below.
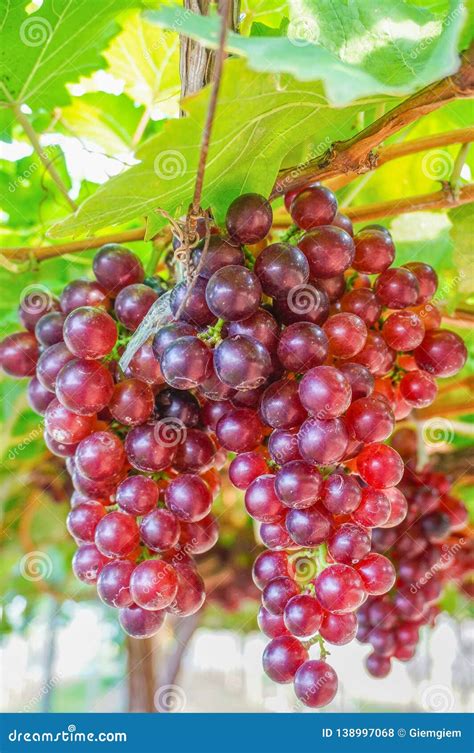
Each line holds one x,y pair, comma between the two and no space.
188,303
341,494
303,615
83,519
137,495
282,657
191,593
359,377
154,584
64,426
340,589
146,450
201,536
374,508
269,565
249,218
281,267
115,267
370,420
133,303
220,253
298,484
261,500
240,430
346,334
117,535
382,641
195,452
314,206
418,388
349,543
145,366
140,623
380,466
246,467
100,455
308,303
50,364
84,387
113,583
242,362
378,666
35,302
169,333
377,573
186,362
132,402
59,449
281,406
344,222
427,279
80,293
159,530
19,354
261,326
338,629
315,683
363,303
87,563
283,446
324,392
374,250
334,286
397,288
403,330
275,536
376,355
38,396
172,403
233,293
302,346
278,592
329,251
323,442
49,329
271,625
89,332
188,497
308,527
442,353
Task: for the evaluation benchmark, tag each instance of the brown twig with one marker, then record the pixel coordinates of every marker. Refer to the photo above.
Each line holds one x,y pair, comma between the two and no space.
357,154
443,199
41,253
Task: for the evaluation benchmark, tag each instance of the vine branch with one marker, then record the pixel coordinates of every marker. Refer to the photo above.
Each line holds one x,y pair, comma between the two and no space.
357,155
47,163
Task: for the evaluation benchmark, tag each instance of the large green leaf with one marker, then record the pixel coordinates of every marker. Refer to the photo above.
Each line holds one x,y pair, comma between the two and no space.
258,120
147,60
355,48
55,45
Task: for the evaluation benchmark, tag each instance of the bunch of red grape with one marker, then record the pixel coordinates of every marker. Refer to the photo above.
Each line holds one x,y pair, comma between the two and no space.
429,549
296,359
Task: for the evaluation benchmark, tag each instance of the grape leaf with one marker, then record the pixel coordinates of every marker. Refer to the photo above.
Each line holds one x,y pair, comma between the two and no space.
53,46
147,60
356,49
107,120
258,120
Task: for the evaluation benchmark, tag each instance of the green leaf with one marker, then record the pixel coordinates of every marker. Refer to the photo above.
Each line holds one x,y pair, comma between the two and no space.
55,45
107,120
147,60
356,49
258,120
462,219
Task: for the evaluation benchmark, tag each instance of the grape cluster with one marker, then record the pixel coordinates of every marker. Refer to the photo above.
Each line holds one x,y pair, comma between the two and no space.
429,549
297,356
